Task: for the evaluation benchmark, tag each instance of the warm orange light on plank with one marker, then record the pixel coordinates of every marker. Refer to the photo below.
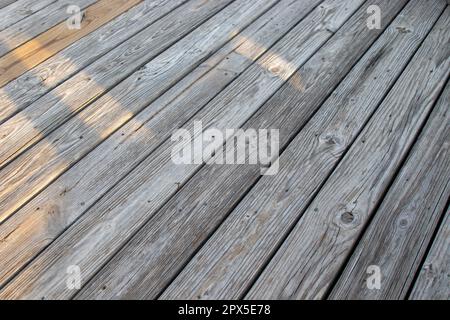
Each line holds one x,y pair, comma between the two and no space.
47,44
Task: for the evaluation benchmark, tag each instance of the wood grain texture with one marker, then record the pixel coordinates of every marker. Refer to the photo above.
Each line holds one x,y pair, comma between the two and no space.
433,282
311,257
168,240
5,3
102,168
19,10
26,89
52,156
137,223
62,103
145,193
188,52
30,27
399,234
47,44
171,175
229,262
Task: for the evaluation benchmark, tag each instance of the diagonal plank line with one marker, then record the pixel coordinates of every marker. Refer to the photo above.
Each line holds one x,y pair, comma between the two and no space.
27,56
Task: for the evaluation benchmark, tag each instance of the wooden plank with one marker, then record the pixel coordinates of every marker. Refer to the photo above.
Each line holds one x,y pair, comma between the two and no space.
433,282
247,93
125,149
147,83
171,236
5,3
184,55
47,44
398,236
311,257
29,87
228,263
50,111
19,10
30,27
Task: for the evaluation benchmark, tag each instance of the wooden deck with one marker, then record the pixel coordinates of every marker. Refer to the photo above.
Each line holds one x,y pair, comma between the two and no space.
93,207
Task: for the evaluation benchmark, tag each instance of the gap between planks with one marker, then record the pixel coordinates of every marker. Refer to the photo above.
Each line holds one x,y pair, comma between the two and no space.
229,262
30,27
399,234
328,230
20,10
268,75
433,280
5,3
161,230
20,93
221,30
100,113
47,44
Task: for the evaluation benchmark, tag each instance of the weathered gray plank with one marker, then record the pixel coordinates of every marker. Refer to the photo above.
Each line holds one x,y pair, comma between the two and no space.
167,241
398,236
5,3
35,169
433,282
20,93
228,263
28,28
19,10
48,113
90,179
47,44
154,187
311,257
